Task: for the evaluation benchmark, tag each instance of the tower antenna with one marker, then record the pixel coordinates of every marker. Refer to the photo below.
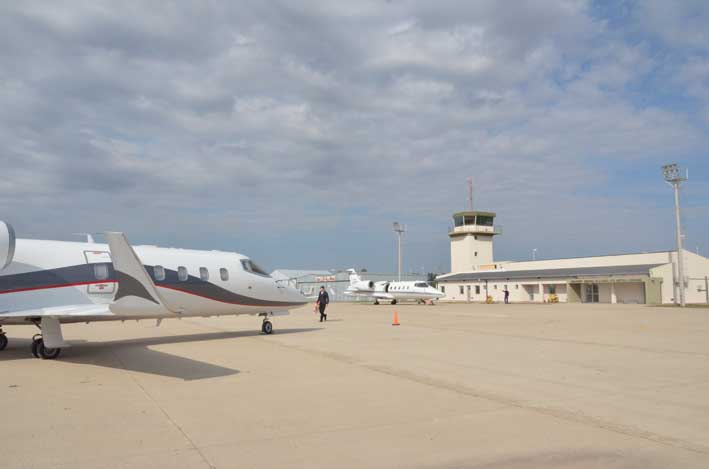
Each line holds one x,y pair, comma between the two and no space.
470,192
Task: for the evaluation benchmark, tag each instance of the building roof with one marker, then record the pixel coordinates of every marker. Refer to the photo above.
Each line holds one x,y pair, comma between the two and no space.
287,274
474,213
604,271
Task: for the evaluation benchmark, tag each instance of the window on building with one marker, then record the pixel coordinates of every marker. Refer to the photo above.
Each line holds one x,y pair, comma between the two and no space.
101,271
484,220
224,274
552,289
477,289
476,253
443,288
461,289
182,273
495,286
159,273
204,274
517,286
458,220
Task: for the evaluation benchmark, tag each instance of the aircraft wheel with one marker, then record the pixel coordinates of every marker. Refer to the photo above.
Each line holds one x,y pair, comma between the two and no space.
267,327
47,353
35,346
376,302
3,341
393,302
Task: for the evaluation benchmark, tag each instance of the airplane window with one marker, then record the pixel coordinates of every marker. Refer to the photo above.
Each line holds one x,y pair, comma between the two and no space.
204,274
159,272
224,274
251,266
101,271
421,284
182,274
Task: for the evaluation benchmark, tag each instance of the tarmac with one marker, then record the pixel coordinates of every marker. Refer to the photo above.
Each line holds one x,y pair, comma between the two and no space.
454,386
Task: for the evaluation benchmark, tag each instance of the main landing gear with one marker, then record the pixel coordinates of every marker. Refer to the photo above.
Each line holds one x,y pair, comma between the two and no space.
3,340
39,350
376,302
393,302
267,327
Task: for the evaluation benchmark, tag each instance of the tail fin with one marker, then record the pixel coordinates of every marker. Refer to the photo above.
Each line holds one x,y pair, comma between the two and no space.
354,278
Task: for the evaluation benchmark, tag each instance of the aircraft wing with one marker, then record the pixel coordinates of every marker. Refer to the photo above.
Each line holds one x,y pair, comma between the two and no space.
74,313
383,296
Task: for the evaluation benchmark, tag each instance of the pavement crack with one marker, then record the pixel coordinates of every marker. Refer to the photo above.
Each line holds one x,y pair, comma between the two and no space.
167,415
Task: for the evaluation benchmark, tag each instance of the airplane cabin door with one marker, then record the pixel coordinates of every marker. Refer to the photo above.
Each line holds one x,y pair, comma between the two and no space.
99,261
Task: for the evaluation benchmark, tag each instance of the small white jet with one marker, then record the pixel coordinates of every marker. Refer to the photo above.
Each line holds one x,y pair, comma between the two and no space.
391,291
50,283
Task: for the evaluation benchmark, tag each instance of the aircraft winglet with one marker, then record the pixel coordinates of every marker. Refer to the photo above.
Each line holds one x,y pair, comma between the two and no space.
136,291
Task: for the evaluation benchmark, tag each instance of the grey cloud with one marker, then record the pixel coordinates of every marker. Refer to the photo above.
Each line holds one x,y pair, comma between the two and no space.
245,117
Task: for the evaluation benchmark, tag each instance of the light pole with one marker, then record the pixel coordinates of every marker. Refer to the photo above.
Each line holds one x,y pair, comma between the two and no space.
399,230
534,254
673,175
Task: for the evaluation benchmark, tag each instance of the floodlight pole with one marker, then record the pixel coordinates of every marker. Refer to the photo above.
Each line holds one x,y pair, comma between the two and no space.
680,256
399,230
674,177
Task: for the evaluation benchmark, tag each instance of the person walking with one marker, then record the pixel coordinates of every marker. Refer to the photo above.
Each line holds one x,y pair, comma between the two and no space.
323,301
507,295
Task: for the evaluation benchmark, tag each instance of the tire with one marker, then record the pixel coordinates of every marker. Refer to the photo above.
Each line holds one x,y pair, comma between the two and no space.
393,302
47,353
3,341
267,327
35,347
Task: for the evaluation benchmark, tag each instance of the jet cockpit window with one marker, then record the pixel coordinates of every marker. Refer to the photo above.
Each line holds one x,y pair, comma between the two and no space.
251,266
182,274
101,271
421,284
159,272
204,274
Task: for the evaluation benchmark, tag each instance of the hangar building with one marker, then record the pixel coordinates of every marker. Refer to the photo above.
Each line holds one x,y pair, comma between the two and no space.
646,278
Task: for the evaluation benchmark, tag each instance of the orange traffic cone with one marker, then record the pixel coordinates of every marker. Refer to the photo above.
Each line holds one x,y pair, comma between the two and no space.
395,322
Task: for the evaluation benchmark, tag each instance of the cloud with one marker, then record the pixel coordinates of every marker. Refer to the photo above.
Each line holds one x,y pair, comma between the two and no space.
282,130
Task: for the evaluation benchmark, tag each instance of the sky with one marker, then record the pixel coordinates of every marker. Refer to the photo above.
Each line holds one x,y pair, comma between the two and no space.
296,132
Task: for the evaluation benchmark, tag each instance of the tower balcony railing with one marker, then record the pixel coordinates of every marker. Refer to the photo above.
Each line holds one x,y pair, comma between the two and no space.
482,229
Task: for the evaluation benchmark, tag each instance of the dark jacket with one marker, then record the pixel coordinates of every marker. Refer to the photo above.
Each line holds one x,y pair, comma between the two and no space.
323,298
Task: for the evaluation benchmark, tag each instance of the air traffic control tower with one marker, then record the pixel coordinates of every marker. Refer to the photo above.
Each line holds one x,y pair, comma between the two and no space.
471,241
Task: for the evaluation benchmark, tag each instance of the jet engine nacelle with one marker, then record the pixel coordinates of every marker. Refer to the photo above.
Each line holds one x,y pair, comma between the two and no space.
7,244
362,285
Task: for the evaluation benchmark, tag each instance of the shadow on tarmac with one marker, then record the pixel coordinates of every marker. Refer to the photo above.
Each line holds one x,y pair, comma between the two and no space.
135,354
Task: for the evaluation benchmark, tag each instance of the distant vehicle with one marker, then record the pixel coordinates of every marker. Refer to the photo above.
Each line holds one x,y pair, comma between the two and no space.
391,291
50,283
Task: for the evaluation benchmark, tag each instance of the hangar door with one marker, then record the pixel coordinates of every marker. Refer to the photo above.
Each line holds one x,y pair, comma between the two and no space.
631,292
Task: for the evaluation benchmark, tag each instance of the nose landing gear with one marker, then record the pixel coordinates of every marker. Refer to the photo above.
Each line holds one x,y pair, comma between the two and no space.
267,327
3,340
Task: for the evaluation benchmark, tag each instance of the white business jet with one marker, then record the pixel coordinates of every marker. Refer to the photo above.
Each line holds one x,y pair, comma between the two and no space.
50,283
391,291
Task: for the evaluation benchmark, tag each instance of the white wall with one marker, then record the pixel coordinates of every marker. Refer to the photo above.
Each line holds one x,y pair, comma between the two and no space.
463,249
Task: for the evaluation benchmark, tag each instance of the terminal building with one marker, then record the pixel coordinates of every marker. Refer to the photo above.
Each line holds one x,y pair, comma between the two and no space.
644,278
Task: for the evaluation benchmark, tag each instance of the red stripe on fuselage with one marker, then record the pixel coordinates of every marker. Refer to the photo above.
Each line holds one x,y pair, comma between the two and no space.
79,284
63,285
225,302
